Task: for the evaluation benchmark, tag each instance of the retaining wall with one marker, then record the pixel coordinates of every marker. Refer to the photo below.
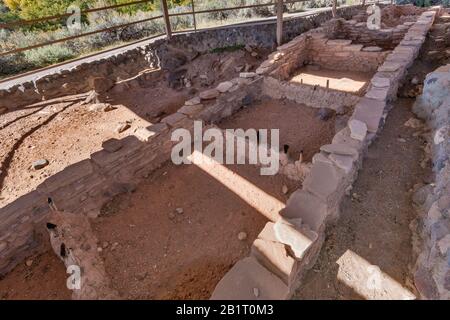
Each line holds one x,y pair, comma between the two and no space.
432,272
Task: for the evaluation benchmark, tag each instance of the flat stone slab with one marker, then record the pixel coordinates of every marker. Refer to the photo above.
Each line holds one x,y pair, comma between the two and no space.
369,111
390,66
343,162
297,236
378,93
341,149
372,49
380,82
323,180
274,256
112,145
193,101
191,110
304,205
209,94
173,119
358,129
144,134
339,42
249,280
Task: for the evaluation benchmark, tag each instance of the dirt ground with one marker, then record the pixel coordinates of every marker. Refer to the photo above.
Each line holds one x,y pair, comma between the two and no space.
374,222
163,254
40,277
66,133
347,81
300,127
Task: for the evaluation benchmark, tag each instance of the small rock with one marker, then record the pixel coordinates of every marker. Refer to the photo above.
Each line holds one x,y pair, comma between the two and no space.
401,140
97,107
109,108
224,86
248,48
114,246
413,123
242,236
239,68
29,263
284,189
256,292
171,215
254,54
247,75
99,249
247,100
179,210
39,164
123,127
415,80
105,245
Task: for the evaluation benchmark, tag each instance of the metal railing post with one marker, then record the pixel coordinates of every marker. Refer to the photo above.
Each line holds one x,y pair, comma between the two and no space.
280,22
165,12
193,15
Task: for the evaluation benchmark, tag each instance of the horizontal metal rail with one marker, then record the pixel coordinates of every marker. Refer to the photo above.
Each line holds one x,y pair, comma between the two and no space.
48,43
65,15
193,13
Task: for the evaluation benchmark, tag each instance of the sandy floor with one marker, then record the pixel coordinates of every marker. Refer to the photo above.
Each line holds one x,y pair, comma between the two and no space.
374,226
346,81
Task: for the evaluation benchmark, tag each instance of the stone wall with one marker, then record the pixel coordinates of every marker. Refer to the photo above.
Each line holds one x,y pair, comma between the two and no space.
284,250
101,75
313,47
85,186
432,272
82,187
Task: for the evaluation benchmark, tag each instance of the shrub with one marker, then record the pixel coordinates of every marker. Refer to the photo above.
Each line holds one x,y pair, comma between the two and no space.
48,55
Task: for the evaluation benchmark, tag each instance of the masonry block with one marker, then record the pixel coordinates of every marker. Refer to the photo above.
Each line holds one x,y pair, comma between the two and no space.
307,207
249,280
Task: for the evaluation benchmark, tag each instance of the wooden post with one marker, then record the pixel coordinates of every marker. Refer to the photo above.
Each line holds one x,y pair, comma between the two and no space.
280,22
193,15
165,12
333,10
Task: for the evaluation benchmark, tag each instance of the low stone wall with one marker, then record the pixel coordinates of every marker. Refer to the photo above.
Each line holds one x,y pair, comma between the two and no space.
432,272
287,248
101,75
85,186
313,47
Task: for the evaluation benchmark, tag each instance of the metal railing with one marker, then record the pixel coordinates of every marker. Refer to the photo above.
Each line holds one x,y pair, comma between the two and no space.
165,15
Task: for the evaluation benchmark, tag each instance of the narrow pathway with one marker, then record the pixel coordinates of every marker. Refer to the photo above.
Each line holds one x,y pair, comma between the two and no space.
372,236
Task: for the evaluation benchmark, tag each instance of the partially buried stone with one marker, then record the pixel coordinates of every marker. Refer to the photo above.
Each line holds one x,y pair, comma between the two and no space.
39,164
